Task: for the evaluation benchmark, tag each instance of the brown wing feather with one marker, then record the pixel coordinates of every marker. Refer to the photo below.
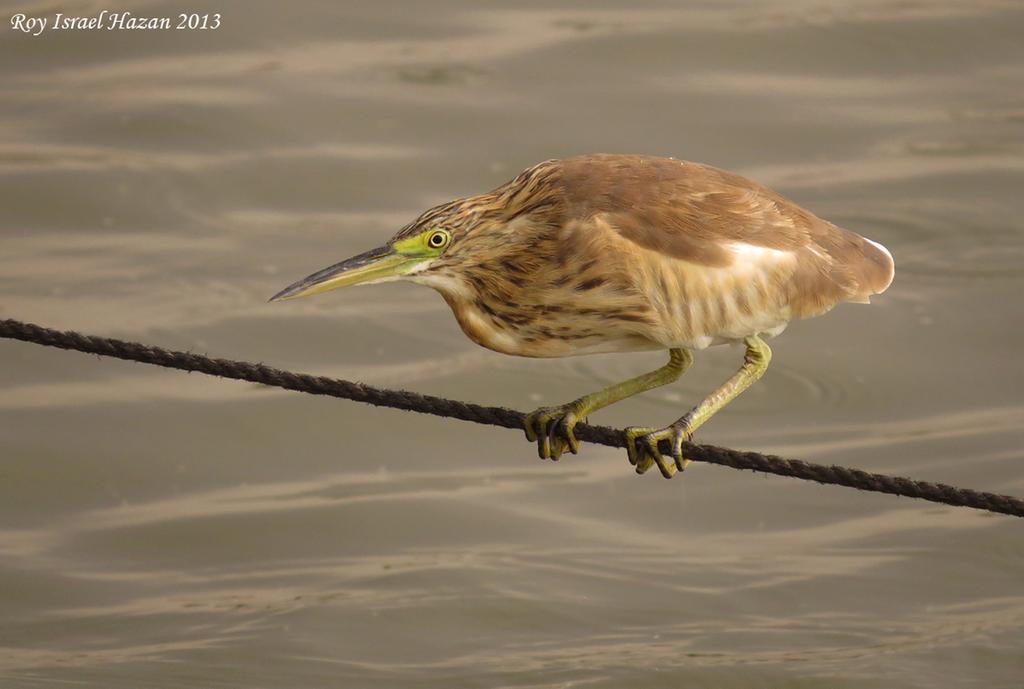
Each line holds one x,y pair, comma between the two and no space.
693,212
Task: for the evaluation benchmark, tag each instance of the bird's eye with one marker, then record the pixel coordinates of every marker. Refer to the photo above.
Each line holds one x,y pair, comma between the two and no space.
437,240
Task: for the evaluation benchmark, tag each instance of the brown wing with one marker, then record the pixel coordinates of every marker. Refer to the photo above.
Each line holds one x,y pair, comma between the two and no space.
695,212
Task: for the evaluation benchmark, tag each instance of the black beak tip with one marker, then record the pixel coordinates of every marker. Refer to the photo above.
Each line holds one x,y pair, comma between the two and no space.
283,294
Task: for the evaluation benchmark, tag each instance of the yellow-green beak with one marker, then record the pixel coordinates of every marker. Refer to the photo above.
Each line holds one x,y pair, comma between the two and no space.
373,266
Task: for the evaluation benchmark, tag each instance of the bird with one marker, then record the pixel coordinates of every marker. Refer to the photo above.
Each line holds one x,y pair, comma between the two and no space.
609,253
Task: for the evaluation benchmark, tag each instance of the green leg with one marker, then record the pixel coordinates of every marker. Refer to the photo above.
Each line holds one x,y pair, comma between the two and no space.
551,427
642,444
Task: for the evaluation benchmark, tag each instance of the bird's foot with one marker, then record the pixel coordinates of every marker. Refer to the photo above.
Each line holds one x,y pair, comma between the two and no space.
643,451
552,429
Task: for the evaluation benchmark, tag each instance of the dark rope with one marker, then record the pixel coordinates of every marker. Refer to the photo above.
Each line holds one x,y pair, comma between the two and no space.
499,416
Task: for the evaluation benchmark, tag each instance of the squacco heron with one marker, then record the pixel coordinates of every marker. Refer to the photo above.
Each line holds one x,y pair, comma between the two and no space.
622,253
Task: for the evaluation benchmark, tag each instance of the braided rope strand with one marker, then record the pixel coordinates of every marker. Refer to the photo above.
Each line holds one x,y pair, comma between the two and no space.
498,416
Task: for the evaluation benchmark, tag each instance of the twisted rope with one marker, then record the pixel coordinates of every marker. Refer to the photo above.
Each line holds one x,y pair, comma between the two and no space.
499,416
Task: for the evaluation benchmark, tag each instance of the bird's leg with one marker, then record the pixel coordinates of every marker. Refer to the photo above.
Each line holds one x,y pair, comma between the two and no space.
552,427
642,443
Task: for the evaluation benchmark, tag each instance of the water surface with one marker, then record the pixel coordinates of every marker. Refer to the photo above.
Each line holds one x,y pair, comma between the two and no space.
168,530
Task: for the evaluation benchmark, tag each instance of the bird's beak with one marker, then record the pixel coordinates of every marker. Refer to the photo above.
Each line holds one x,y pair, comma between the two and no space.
373,266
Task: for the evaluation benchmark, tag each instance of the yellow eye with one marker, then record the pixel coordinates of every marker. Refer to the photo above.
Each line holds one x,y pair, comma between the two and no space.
438,239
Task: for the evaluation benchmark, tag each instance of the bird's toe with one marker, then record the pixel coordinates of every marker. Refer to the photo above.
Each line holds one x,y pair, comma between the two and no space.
531,435
634,452
536,426
644,451
680,434
651,442
552,429
562,433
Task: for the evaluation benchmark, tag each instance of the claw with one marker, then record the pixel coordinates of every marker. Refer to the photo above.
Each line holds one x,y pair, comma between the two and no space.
552,429
562,432
643,451
543,442
636,457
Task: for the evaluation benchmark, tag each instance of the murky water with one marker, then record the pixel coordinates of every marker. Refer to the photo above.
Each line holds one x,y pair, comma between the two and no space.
167,530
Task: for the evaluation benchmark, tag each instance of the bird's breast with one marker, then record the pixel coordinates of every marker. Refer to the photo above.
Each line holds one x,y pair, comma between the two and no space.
545,329
483,329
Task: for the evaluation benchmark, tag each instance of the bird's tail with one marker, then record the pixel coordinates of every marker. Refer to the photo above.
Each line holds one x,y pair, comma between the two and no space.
875,272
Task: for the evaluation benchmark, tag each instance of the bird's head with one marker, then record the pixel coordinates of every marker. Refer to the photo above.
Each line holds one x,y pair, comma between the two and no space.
443,244
430,250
